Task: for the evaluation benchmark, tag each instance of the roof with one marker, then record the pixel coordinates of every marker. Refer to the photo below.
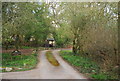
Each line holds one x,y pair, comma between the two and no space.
50,39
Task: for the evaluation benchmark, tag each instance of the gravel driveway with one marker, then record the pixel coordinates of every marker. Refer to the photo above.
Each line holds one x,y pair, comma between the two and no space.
45,70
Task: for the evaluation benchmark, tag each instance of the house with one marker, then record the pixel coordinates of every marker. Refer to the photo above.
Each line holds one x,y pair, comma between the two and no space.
50,42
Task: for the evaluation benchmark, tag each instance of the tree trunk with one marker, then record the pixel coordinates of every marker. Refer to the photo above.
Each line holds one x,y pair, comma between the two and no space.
17,42
74,47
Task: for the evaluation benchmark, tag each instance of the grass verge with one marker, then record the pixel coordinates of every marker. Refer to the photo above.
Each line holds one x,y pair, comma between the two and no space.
51,58
26,47
18,63
85,65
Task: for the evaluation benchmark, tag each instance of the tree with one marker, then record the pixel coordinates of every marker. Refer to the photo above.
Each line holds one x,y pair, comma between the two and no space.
23,21
94,29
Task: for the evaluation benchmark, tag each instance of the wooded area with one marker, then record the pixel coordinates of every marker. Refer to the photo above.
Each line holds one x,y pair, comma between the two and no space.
90,28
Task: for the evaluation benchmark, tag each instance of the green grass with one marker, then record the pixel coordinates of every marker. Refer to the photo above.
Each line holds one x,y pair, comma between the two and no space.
26,47
51,58
26,62
84,65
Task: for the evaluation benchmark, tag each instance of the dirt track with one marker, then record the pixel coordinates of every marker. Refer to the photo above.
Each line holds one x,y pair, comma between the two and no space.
45,70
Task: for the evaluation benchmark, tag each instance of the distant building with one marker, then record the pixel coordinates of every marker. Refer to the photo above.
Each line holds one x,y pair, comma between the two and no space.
50,42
